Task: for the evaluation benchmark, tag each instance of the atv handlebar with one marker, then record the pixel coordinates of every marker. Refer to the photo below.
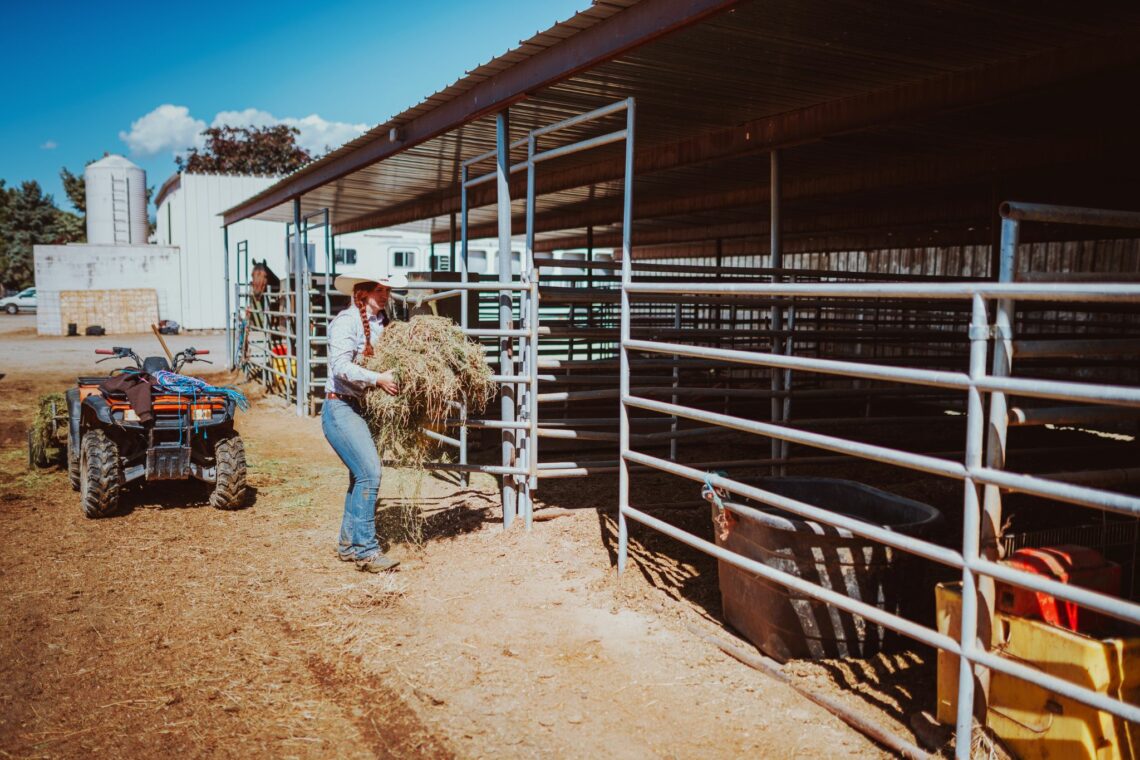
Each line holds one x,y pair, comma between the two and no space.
182,357
120,352
189,355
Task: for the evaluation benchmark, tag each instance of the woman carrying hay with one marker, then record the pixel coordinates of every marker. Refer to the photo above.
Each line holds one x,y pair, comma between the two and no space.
352,334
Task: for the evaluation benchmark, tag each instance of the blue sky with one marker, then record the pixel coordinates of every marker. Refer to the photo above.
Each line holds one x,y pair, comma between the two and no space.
86,78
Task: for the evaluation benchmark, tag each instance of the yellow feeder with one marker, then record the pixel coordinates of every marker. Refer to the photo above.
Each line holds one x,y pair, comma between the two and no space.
1033,722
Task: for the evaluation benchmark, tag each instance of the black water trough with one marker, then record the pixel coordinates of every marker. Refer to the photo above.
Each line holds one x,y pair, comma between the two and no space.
786,624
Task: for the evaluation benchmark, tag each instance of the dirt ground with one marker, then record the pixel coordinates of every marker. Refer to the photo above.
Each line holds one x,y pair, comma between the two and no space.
175,628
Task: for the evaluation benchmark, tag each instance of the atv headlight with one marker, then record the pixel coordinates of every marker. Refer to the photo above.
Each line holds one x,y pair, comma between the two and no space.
129,415
203,413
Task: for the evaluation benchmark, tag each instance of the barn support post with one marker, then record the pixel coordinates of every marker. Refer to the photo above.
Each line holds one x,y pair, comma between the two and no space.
463,296
623,353
506,309
300,311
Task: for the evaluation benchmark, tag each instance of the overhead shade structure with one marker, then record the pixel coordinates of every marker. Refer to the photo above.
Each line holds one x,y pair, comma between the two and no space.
871,101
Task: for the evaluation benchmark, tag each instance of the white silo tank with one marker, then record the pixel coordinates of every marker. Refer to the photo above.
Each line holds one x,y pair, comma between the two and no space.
116,202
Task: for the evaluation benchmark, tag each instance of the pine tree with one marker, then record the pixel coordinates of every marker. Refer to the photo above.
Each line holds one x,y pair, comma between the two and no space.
76,188
28,218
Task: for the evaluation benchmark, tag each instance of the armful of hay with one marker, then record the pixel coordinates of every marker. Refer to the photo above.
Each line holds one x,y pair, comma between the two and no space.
434,364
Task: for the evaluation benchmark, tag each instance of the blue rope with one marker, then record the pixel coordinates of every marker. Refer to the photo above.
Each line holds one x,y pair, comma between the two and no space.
180,384
711,493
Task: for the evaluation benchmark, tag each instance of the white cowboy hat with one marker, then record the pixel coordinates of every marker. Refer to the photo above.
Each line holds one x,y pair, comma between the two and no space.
344,283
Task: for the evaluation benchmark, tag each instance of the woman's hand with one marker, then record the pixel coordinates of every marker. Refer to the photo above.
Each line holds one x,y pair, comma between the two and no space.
387,382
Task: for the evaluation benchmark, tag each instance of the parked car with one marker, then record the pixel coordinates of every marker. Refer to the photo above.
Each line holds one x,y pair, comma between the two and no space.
25,300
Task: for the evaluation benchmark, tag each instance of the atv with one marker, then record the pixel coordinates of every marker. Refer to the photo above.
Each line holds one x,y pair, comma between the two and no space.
191,435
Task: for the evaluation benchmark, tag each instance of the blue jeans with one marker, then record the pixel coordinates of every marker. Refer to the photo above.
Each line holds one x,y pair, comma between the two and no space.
350,438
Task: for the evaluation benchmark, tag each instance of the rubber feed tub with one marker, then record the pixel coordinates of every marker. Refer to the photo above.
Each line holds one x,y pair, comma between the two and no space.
786,624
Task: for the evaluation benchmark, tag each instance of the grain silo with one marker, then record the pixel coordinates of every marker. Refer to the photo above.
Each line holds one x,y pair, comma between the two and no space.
116,202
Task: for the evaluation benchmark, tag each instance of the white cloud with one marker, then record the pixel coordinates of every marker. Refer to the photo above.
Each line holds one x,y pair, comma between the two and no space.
166,128
50,145
172,128
316,134
250,117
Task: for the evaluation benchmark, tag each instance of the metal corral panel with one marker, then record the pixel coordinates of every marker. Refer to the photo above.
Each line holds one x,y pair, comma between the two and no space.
188,218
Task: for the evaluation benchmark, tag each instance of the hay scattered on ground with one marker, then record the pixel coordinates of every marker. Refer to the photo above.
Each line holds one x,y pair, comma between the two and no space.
403,521
45,447
434,364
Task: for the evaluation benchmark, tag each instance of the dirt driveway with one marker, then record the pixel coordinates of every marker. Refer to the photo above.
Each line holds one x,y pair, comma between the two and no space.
175,628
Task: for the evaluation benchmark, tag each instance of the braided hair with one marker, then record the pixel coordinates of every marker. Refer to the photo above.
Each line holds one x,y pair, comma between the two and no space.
359,297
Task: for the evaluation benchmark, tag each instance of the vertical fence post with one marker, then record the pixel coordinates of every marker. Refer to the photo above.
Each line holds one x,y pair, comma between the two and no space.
530,357
971,527
243,280
676,373
590,320
786,387
506,307
299,310
522,408
776,259
451,238
623,353
463,322
229,311
996,433
532,375
304,377
330,269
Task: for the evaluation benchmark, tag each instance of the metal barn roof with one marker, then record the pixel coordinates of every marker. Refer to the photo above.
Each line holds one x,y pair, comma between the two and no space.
880,108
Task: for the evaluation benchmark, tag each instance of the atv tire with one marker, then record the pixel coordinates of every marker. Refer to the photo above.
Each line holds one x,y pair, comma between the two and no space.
229,466
100,475
73,473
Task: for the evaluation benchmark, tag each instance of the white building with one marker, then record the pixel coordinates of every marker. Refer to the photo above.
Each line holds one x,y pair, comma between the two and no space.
185,264
116,276
187,219
189,208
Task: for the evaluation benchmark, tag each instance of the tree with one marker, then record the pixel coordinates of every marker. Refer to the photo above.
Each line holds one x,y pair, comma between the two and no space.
241,150
76,188
28,218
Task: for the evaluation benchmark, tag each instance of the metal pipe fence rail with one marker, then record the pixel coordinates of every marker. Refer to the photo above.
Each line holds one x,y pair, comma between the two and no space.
979,468
265,339
563,395
517,304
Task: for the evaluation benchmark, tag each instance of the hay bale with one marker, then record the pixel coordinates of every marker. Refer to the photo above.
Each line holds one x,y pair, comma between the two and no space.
44,447
434,364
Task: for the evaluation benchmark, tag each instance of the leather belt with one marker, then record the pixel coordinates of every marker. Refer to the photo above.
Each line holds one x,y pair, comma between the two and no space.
341,397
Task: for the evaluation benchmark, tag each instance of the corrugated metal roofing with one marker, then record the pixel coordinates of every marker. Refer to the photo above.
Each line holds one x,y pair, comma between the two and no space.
762,59
598,12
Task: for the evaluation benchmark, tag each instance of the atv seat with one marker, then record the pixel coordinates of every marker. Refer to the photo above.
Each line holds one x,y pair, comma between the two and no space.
153,364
